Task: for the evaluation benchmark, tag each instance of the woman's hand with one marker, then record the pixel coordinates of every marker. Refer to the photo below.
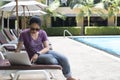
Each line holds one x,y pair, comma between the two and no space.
19,45
34,58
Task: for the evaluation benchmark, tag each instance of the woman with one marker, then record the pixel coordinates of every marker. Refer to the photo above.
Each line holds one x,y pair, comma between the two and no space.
36,44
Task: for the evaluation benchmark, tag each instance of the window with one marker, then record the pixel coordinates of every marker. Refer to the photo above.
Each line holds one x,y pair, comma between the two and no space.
95,21
69,22
118,21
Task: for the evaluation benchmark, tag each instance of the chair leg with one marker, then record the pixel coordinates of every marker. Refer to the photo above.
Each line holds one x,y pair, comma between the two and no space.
52,76
18,73
12,75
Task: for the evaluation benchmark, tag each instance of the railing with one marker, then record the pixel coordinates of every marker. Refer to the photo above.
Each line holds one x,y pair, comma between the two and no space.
67,32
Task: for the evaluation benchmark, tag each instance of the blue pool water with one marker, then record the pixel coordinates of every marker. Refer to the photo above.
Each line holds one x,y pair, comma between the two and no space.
110,44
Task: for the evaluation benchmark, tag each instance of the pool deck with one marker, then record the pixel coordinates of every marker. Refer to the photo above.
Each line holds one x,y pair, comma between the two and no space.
87,63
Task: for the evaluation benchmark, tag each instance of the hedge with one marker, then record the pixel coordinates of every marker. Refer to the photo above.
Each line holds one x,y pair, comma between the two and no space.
58,31
75,31
102,30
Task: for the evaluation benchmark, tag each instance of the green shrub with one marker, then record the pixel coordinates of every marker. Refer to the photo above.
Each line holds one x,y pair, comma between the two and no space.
75,31
58,31
102,30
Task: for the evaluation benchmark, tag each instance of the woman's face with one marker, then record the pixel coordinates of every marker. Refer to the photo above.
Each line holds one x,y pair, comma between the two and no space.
34,28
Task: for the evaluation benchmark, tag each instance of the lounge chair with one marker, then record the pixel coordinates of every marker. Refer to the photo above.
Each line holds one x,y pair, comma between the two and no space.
12,32
5,43
49,71
8,34
8,45
15,32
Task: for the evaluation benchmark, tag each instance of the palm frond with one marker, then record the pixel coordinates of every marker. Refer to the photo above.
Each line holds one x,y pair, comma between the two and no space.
111,13
51,10
78,6
54,5
73,3
89,11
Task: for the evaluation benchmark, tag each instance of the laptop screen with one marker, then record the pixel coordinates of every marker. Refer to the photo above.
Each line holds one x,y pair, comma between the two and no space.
18,58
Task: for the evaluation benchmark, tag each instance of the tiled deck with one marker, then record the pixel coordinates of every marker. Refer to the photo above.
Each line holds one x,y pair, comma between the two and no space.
87,63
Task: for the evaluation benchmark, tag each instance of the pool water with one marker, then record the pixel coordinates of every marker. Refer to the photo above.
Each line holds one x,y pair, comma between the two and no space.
110,44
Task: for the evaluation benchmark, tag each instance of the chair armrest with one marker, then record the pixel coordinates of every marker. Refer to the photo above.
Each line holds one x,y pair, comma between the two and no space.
13,41
3,45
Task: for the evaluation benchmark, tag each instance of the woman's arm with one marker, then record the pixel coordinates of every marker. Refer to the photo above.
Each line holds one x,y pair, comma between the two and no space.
45,49
19,46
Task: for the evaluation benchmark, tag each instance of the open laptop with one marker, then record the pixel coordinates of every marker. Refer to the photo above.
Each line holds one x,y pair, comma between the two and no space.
20,58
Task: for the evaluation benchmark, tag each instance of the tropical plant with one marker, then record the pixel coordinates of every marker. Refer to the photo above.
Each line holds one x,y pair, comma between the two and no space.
51,10
85,9
43,1
2,2
113,8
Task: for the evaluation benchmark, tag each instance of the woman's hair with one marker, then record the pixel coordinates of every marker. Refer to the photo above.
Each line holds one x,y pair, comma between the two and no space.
35,19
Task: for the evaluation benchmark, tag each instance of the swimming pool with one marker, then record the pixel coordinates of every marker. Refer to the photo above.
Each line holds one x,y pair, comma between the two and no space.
110,44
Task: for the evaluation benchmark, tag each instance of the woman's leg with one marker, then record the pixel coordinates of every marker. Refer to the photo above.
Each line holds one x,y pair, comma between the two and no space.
46,59
62,60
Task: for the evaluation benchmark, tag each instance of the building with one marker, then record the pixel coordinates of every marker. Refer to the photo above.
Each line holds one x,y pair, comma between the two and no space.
95,20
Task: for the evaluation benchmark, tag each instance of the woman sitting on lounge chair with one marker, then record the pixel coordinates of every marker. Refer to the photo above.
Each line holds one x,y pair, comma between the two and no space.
36,43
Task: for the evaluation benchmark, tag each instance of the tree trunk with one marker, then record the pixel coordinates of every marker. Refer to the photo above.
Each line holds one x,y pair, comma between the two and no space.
88,21
116,20
82,30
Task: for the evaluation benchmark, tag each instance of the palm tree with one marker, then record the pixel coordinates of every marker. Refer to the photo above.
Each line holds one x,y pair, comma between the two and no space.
51,10
113,8
85,7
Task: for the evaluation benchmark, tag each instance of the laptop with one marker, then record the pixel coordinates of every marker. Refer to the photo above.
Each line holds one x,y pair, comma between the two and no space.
18,58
